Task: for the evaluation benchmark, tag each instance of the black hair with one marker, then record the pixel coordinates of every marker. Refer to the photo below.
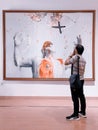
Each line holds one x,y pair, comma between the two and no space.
80,49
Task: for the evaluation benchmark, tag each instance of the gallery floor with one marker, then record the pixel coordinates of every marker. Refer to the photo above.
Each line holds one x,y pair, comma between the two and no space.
44,113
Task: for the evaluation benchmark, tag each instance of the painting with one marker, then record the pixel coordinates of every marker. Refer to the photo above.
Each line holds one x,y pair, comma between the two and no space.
37,42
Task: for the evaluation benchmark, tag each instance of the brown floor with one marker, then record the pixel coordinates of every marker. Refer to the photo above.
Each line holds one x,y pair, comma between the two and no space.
44,113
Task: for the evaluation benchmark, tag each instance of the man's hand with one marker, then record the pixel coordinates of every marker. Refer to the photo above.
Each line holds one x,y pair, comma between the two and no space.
73,53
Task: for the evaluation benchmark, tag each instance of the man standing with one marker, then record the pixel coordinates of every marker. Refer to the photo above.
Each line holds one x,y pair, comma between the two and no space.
77,93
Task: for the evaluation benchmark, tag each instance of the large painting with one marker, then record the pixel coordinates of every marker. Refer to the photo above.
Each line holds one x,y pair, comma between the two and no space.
37,42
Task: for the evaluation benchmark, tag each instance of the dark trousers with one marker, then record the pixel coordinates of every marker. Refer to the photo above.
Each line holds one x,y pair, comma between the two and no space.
78,97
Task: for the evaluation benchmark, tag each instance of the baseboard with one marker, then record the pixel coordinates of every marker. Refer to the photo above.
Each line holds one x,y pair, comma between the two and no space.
43,97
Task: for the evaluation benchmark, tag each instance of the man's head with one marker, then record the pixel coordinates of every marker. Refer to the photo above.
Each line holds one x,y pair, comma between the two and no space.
80,49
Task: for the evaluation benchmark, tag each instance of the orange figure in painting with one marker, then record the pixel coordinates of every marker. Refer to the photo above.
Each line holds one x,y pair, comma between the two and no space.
46,66
49,66
45,69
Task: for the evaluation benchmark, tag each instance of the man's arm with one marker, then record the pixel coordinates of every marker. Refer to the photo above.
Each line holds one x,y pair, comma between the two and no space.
67,61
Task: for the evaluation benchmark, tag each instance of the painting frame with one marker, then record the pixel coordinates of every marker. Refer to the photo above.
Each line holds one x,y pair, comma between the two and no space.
9,24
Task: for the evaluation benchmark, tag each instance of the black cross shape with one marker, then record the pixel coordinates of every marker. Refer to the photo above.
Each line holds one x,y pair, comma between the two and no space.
59,27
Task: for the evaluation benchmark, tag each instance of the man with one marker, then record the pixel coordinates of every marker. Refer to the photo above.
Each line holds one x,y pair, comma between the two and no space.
78,92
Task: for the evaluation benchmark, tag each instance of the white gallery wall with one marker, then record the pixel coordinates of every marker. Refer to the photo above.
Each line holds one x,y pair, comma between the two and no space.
46,88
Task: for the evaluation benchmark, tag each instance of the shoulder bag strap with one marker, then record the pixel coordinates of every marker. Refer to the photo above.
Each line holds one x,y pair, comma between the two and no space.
78,64
71,69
